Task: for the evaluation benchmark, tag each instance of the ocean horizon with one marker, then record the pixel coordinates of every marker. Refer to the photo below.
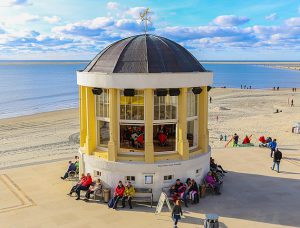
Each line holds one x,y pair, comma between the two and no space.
27,88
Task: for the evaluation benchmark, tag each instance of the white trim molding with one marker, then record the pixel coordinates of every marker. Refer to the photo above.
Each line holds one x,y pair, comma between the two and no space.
144,80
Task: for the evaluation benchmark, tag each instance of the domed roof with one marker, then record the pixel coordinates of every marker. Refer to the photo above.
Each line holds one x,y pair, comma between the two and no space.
144,54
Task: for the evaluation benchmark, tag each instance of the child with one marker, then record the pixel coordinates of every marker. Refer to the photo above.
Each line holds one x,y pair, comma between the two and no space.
177,213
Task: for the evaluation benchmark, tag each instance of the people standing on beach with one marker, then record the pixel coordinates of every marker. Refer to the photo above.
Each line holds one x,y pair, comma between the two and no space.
292,103
235,139
278,88
241,86
176,213
276,160
273,146
249,87
244,86
210,99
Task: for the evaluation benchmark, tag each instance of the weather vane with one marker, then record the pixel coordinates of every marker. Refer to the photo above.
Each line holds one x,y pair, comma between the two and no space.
144,15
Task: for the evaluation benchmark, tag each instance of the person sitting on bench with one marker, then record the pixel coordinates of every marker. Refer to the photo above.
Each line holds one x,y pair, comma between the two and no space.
128,194
71,168
178,191
93,188
194,192
84,185
211,181
119,193
73,189
215,167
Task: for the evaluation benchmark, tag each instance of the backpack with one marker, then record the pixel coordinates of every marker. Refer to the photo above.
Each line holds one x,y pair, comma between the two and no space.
111,203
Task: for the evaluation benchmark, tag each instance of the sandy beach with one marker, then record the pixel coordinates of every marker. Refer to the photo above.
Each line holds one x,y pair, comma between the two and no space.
38,138
253,195
46,136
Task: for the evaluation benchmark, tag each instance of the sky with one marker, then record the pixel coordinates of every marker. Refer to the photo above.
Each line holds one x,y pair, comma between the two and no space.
209,29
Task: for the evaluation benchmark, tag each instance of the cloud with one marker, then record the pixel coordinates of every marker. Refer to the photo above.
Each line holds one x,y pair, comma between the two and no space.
134,12
52,19
112,5
25,17
6,3
230,20
271,17
294,21
94,27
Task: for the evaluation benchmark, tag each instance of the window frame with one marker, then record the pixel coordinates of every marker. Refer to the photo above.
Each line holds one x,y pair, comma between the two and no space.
101,118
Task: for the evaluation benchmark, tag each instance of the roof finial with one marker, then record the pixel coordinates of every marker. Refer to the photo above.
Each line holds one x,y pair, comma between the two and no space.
144,15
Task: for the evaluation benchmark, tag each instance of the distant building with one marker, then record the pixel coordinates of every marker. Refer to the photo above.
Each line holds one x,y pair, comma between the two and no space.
144,114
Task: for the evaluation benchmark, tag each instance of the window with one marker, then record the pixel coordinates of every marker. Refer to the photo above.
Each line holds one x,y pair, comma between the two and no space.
192,119
132,127
97,173
149,179
198,172
168,177
192,104
132,108
164,137
130,178
102,104
102,133
165,107
102,117
165,123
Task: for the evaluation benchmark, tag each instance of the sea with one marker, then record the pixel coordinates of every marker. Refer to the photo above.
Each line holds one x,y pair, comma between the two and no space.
29,87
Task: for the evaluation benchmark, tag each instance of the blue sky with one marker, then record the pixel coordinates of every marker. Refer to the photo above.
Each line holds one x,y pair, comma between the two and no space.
211,30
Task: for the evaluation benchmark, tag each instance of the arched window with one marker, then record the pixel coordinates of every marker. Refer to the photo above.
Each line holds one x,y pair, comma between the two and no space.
102,118
192,119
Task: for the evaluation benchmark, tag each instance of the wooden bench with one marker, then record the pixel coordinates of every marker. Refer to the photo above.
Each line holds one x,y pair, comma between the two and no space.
143,195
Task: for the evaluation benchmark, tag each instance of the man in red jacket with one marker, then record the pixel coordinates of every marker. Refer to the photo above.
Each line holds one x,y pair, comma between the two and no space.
85,184
119,192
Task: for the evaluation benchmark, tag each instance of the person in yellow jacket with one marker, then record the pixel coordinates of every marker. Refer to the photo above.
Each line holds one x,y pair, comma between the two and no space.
128,194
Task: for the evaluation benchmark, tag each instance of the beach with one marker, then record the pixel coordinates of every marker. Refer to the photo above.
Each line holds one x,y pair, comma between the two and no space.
46,136
38,147
38,138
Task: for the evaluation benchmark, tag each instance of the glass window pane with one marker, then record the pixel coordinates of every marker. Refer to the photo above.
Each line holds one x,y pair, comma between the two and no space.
132,138
103,133
102,104
132,108
164,137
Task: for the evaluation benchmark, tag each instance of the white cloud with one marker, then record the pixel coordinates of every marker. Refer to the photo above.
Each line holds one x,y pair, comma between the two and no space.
6,3
52,19
112,5
294,21
134,12
25,17
230,20
272,17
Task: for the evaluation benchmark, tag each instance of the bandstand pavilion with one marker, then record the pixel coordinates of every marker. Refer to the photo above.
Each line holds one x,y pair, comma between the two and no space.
144,114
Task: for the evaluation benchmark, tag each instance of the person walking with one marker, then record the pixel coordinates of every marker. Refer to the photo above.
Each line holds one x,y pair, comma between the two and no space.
235,140
210,99
276,160
273,146
176,213
292,103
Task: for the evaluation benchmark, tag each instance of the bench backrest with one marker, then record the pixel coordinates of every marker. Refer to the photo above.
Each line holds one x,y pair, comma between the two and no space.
143,190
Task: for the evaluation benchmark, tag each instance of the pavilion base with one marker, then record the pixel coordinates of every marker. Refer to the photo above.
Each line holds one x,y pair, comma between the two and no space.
111,172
